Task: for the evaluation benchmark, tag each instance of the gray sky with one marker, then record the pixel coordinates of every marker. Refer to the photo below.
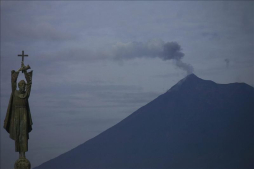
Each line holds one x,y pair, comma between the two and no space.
95,63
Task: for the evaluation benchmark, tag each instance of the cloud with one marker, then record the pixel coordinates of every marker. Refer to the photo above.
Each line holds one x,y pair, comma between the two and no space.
30,22
34,32
247,22
211,35
78,96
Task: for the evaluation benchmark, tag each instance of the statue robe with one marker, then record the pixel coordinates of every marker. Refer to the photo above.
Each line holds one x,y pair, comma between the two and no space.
18,120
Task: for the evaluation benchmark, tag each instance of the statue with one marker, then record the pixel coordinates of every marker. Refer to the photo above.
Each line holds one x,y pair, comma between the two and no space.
18,120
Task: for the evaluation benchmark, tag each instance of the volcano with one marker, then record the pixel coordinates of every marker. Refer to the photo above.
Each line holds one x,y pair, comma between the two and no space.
195,124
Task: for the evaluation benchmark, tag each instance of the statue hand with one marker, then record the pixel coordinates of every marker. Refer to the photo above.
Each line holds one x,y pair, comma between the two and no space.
23,67
20,69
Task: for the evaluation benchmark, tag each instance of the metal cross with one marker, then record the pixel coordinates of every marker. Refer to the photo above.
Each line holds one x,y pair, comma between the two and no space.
23,55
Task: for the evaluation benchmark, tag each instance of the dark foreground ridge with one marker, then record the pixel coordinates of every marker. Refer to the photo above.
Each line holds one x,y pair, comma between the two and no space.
196,124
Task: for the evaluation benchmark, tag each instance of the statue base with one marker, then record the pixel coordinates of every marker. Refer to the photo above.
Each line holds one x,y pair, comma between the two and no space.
22,163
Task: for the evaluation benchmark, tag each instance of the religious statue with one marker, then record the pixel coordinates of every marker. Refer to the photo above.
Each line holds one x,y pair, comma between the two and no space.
18,120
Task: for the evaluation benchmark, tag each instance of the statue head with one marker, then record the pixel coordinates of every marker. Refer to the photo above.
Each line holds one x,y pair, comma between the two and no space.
22,85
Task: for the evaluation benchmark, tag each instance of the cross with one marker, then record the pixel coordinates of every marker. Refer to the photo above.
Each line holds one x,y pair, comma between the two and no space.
22,56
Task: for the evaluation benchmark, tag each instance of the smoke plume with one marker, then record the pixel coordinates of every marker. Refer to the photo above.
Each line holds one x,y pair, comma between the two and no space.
227,62
152,49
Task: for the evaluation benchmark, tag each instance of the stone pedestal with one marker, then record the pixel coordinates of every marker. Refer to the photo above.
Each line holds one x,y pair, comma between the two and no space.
22,163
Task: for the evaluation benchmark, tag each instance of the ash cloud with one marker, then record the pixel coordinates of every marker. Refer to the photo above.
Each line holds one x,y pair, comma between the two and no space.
152,49
227,62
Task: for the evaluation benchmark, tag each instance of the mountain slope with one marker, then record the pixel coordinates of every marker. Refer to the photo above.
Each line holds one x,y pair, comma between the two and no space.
196,124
